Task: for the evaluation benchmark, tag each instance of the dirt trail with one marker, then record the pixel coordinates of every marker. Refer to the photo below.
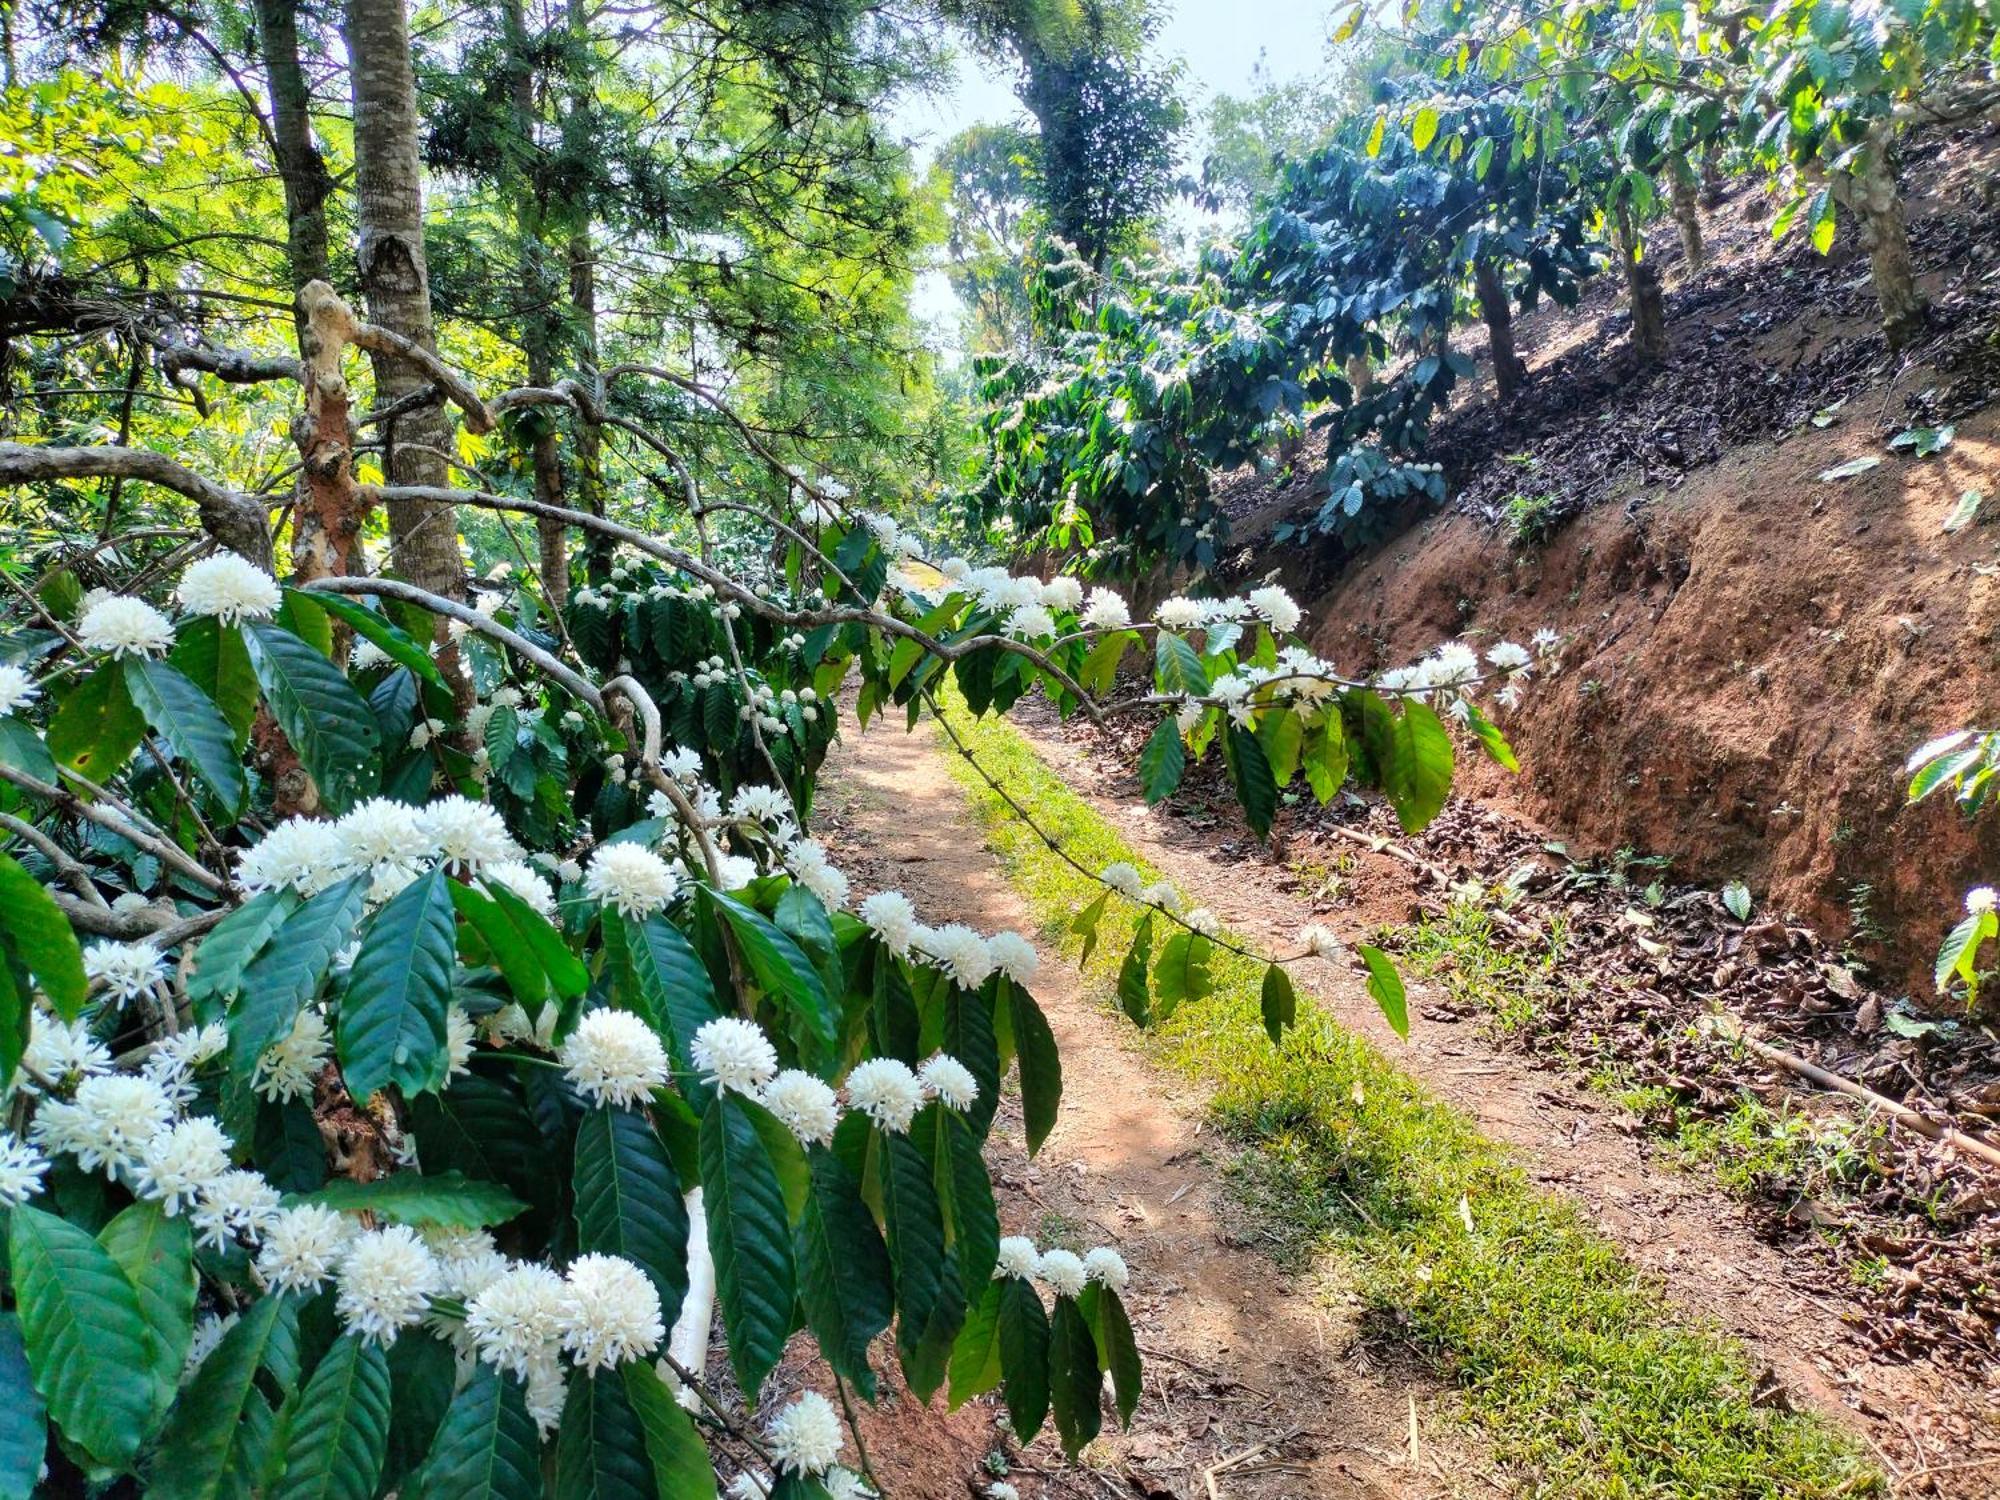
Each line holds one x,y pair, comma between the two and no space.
1240,1364
1920,1419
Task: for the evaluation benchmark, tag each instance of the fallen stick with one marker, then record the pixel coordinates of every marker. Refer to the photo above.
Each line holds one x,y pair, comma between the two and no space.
1966,1145
1437,873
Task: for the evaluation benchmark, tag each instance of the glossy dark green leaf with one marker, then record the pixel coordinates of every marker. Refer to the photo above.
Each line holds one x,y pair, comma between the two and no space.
24,1421
288,969
156,1253
193,728
392,1026
1178,668
487,1447
1074,1377
506,946
230,947
1250,773
1180,973
37,948
845,1283
601,1446
1162,761
914,1221
749,1239
326,721
396,644
85,1334
628,1200
664,981
339,1435
1279,1002
975,1355
787,975
1024,1355
1041,1066
213,657
96,725
449,1199
679,1459
1385,985
1117,1350
1135,996
1419,772
221,1426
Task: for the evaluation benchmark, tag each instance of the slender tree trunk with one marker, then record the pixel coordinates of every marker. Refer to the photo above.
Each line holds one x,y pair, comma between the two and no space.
1712,185
1687,213
301,168
1360,376
1871,194
1497,308
1642,283
389,203
578,124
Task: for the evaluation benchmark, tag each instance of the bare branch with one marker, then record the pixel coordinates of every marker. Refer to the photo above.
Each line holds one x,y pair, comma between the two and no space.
237,521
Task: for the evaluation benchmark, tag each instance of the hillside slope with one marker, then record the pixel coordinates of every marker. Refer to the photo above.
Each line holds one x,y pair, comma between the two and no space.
1749,650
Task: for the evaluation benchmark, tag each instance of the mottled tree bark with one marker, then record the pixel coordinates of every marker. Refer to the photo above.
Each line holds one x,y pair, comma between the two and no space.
1497,308
395,279
1642,284
301,168
1686,197
1872,195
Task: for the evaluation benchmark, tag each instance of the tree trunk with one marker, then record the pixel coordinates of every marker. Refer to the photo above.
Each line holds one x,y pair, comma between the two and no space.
1871,194
389,203
1642,283
1509,370
301,168
1712,185
1687,213
1360,376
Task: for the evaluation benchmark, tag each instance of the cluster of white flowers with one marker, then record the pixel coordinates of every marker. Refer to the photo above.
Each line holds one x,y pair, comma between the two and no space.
388,841
886,1091
228,588
732,1053
125,970
1980,900
22,1168
1320,941
124,627
809,865
17,689
805,1437
1062,1271
631,878
954,948
803,1105
614,1057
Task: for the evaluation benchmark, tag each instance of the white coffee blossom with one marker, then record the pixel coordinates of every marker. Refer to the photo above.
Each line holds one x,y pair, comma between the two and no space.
301,854
1320,941
459,1034
1981,899
612,1313
613,1057
763,804
383,835
21,1170
126,970
999,1489
803,1105
810,867
124,627
1161,894
290,1066
887,1092
1106,610
949,1081
228,588
516,1320
845,1484
469,835
1204,921
1018,1258
108,1123
1107,1267
733,1053
1014,956
209,1331
1061,1272
892,918
17,689
387,1279
523,880
1122,878
238,1202
805,1437
1545,641
631,878
61,1051
182,1161
1031,622
961,951
1277,606
1509,657
302,1247
747,1487
1064,591
1180,613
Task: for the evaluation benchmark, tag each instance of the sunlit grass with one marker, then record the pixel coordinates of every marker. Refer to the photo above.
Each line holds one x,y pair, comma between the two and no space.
1583,1379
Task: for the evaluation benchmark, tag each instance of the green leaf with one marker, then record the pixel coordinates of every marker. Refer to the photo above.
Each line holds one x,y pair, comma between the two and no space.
213,657
392,1012
230,947
1100,668
339,1435
24,1422
1177,667
1959,954
1418,776
327,722
668,985
221,1423
1280,1003
450,1199
1424,127
1041,1066
1163,761
975,1355
24,750
1736,897
1385,987
504,944
191,725
1024,1355
965,1191
749,1238
565,972
396,644
1074,1377
1851,468
487,1448
1134,996
1256,786
785,974
1821,219
681,1468
85,1334
1963,513
1084,925
481,1126
845,1283
289,970
156,1254
1325,759
1282,734
35,941
600,1446
914,1221
1181,972
97,726
1117,1350
628,1200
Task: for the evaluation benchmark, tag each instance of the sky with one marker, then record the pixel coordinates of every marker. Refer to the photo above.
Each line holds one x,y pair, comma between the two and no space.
1221,43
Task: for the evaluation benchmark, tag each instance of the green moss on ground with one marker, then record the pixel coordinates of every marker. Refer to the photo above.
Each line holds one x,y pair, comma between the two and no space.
1584,1381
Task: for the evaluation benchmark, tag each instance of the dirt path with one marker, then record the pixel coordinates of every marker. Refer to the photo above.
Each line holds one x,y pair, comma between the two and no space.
1921,1420
1240,1364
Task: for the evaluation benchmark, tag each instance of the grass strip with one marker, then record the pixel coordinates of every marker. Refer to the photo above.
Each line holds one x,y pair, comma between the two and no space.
1574,1365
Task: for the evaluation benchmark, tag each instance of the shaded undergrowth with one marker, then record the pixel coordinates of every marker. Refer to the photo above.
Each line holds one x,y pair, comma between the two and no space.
1573,1363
